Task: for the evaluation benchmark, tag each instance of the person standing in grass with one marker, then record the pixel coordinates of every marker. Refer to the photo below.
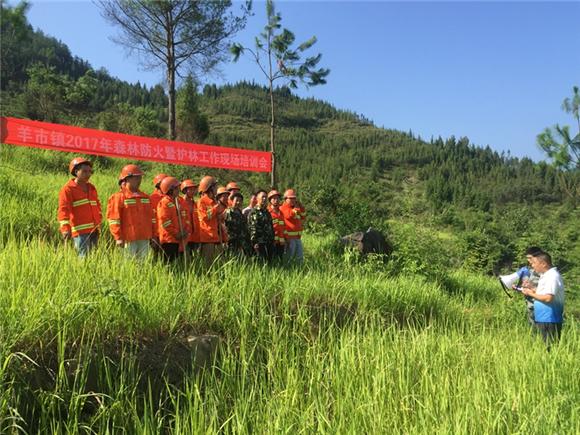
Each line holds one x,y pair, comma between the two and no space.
548,299
525,276
172,220
208,211
130,215
529,277
232,187
237,227
278,222
250,206
222,197
189,189
294,217
155,197
79,208
261,228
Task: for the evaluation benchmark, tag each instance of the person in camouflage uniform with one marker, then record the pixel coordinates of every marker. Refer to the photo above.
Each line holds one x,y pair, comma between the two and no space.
239,239
261,228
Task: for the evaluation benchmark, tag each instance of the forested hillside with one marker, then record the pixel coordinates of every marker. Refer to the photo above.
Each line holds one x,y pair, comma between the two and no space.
351,173
423,341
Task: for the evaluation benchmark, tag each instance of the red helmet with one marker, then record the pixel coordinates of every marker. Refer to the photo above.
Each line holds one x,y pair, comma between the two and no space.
187,183
232,185
158,178
130,171
273,193
72,166
207,183
167,184
290,194
222,191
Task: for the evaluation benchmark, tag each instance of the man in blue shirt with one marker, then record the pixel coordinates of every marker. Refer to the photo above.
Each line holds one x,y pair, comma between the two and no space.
525,277
548,299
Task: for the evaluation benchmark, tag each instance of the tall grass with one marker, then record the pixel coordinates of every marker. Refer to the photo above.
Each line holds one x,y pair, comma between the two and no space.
108,345
102,345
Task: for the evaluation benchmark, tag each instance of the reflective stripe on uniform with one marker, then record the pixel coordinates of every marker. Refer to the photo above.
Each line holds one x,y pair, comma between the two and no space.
293,233
144,200
81,202
63,223
130,201
93,202
166,224
83,227
114,221
170,204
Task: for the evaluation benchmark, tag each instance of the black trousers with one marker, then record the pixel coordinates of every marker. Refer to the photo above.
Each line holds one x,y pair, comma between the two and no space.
170,251
550,332
236,249
264,251
193,247
278,252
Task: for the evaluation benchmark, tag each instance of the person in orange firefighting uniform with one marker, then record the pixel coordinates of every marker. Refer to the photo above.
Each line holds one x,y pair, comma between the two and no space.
155,197
278,223
79,208
189,189
172,219
208,211
131,219
294,217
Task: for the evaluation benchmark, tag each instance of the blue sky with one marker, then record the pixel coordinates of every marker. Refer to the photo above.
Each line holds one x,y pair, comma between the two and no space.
495,72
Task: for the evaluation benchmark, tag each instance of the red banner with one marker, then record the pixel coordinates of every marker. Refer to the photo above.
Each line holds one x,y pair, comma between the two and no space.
59,137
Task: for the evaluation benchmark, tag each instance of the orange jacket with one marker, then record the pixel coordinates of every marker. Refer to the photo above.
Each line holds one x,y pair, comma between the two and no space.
208,210
155,198
294,218
279,226
194,220
168,221
130,216
79,212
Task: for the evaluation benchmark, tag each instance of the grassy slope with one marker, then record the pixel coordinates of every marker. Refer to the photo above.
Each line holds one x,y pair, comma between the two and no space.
336,347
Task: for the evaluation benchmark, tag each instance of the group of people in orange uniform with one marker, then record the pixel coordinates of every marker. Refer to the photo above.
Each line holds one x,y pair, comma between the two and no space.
173,224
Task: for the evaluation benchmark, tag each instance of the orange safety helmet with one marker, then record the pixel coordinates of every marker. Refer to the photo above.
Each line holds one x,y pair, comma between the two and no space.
273,193
130,171
187,183
76,162
158,179
222,191
167,184
206,183
232,185
290,194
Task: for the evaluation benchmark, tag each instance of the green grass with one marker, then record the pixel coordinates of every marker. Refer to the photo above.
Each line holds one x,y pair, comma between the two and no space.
107,345
324,349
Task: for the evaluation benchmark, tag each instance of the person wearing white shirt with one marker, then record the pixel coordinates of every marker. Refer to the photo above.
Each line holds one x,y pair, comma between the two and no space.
548,299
